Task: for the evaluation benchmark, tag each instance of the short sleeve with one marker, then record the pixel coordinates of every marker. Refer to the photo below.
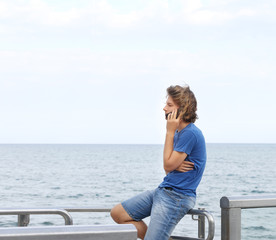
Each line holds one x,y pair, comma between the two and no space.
185,142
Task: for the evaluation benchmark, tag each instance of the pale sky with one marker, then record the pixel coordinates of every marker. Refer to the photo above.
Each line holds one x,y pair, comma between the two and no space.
96,71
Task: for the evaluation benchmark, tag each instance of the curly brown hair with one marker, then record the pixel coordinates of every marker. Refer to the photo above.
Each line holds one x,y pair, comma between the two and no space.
185,99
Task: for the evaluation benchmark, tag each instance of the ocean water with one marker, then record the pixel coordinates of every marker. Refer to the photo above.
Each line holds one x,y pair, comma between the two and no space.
87,175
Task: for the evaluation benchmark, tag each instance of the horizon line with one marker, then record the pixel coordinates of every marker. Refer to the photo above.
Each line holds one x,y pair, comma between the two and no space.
128,143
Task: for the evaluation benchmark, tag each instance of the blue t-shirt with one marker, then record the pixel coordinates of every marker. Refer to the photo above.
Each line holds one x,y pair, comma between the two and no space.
189,140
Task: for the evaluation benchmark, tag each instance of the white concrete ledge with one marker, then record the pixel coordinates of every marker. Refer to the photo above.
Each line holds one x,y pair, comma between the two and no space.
95,232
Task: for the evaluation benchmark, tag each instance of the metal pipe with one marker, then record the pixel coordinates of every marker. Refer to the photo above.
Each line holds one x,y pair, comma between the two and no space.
27,211
248,201
201,225
211,221
88,209
23,220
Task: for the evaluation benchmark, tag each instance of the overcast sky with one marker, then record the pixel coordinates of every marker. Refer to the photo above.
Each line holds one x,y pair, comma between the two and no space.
96,71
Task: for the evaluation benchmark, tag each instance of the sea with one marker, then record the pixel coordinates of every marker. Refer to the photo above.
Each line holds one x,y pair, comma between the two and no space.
85,175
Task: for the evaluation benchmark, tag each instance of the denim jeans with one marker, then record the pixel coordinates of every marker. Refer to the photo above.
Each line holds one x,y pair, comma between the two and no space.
165,208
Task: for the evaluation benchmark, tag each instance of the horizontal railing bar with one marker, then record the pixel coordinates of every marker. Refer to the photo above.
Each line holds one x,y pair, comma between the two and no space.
27,211
15,211
88,209
248,201
108,209
184,238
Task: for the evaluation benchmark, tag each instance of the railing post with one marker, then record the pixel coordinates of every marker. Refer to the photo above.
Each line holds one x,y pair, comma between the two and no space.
201,225
230,219
23,220
231,224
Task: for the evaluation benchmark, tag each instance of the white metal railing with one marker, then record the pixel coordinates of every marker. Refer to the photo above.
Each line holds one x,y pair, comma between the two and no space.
231,212
24,217
201,213
24,214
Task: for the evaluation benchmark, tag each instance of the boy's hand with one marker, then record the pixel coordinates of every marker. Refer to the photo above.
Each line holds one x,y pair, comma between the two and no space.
185,166
172,122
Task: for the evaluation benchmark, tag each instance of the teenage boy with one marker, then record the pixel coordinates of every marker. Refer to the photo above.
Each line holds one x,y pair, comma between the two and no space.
184,160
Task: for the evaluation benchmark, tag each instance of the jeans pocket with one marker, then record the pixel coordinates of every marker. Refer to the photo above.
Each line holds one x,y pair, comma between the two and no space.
188,203
170,193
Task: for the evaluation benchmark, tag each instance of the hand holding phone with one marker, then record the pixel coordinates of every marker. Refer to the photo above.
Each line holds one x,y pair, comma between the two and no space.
172,121
177,114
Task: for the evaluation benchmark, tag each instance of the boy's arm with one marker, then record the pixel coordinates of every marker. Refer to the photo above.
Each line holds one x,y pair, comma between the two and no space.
173,159
185,166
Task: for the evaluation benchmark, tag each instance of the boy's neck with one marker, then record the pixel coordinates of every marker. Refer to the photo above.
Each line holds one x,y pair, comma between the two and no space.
182,125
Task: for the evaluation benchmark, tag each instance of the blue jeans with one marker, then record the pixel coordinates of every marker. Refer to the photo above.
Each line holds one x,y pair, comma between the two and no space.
165,208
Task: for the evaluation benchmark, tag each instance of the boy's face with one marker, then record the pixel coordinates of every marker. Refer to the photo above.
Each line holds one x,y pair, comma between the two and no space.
170,106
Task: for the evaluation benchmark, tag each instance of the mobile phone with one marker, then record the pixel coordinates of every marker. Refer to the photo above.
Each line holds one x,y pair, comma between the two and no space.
177,114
